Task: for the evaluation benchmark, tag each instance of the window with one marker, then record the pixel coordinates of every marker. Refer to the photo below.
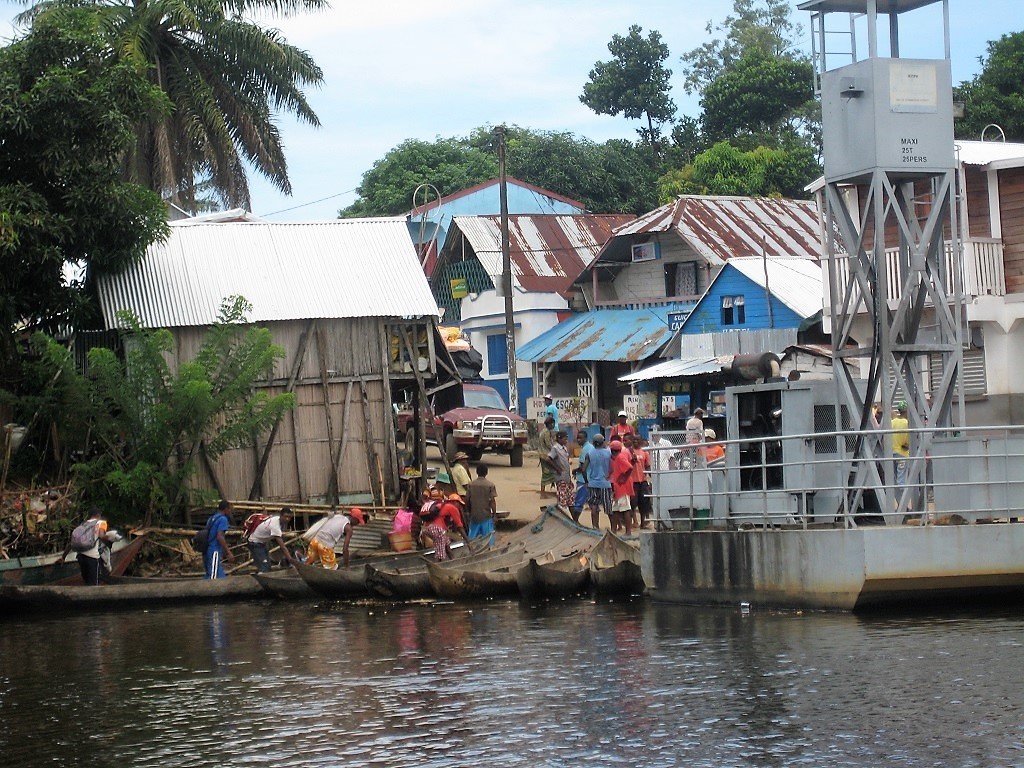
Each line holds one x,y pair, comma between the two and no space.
733,310
497,354
681,279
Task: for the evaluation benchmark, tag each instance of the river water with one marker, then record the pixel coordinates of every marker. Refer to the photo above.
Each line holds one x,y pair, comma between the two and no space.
510,684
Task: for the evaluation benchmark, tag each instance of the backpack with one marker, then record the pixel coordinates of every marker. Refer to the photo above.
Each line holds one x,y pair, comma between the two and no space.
85,536
201,538
252,522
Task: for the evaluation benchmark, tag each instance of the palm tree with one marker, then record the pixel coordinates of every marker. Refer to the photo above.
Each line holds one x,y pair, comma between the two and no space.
226,77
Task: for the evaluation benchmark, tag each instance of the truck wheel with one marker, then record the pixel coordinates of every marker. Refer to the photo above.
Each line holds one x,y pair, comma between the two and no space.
410,440
450,446
475,454
515,456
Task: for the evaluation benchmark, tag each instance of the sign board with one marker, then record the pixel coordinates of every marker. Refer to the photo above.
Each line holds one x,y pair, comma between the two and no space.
570,410
631,405
676,319
460,287
642,406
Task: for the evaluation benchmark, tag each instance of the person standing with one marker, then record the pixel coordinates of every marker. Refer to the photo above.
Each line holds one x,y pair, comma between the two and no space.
551,410
217,548
451,505
435,534
271,529
558,460
583,449
661,453
597,470
622,487
483,505
86,540
546,439
460,473
695,426
900,442
641,480
336,528
620,427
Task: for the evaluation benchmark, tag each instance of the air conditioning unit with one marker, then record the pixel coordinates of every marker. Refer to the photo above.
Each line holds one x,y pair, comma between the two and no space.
646,251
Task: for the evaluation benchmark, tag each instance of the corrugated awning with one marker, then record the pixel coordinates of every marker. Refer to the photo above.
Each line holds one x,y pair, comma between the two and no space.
617,335
670,369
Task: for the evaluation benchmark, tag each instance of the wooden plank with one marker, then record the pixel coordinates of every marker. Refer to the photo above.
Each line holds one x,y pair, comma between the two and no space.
332,485
344,440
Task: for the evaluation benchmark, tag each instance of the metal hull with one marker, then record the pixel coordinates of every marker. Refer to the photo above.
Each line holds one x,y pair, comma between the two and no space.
838,569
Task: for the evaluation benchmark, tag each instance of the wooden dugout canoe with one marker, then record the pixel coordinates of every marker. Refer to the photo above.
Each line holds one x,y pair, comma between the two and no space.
136,593
285,584
50,569
406,578
615,567
554,577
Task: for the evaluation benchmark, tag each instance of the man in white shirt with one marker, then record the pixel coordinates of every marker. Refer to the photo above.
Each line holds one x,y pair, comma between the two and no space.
270,529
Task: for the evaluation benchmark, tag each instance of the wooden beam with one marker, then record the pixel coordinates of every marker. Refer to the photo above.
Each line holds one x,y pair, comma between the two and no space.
344,441
332,485
261,467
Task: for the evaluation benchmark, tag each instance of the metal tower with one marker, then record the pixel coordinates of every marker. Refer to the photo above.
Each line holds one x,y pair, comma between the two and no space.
891,237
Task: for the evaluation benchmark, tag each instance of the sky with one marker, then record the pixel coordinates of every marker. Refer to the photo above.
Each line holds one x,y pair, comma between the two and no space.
407,69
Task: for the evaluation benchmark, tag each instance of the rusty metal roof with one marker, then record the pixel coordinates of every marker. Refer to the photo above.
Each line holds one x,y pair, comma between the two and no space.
720,227
548,251
619,335
287,271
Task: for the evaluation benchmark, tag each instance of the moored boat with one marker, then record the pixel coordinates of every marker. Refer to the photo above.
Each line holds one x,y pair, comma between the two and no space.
285,583
135,593
554,576
52,569
337,583
490,574
615,567
404,577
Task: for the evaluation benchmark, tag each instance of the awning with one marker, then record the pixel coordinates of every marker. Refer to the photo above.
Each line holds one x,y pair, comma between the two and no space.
616,335
670,369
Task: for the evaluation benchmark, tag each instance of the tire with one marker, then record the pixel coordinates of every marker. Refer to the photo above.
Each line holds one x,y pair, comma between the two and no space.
410,440
450,446
475,454
515,456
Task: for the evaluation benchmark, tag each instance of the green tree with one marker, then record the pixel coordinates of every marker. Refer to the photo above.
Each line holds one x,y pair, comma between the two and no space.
142,426
996,94
728,170
758,100
67,112
757,27
227,78
607,178
635,83
449,164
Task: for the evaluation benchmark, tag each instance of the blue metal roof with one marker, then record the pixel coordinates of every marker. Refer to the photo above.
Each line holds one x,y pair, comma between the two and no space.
619,335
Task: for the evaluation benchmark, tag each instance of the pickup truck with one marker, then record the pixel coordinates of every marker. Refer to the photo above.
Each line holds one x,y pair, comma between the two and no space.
484,423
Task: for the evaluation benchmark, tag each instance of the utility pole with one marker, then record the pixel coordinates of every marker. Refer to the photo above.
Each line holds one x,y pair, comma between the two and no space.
506,276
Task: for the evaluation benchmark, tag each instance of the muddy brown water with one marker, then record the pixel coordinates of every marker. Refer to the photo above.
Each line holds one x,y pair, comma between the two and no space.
509,684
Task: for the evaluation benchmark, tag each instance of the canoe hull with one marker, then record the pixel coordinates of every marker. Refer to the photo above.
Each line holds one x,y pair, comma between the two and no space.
284,584
50,569
561,578
129,594
615,567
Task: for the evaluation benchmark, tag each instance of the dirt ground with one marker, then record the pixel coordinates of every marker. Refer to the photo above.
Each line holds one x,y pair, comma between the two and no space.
518,488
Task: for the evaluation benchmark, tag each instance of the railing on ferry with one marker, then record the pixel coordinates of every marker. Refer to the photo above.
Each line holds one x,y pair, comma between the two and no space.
963,475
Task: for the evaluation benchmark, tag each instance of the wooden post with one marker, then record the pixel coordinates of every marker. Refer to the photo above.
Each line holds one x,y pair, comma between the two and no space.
292,377
372,459
424,403
332,484
344,440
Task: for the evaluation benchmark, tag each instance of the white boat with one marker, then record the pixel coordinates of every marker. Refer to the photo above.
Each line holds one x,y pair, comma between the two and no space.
780,522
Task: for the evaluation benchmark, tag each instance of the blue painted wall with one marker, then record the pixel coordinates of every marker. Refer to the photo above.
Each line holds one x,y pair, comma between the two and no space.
706,317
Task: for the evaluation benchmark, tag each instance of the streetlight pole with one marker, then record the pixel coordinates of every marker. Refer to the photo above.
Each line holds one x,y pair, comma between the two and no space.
506,276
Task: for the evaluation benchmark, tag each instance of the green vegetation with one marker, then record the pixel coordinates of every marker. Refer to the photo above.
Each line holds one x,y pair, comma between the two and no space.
133,430
996,94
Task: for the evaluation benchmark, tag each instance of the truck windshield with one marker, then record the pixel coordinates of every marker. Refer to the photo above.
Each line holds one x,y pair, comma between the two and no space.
483,398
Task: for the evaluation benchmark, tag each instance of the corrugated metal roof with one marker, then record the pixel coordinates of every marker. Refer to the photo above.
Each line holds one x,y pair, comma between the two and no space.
670,369
797,283
618,335
548,251
721,228
287,271
985,152
540,192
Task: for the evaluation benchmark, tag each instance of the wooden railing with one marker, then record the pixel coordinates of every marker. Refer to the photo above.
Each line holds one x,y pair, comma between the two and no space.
981,270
